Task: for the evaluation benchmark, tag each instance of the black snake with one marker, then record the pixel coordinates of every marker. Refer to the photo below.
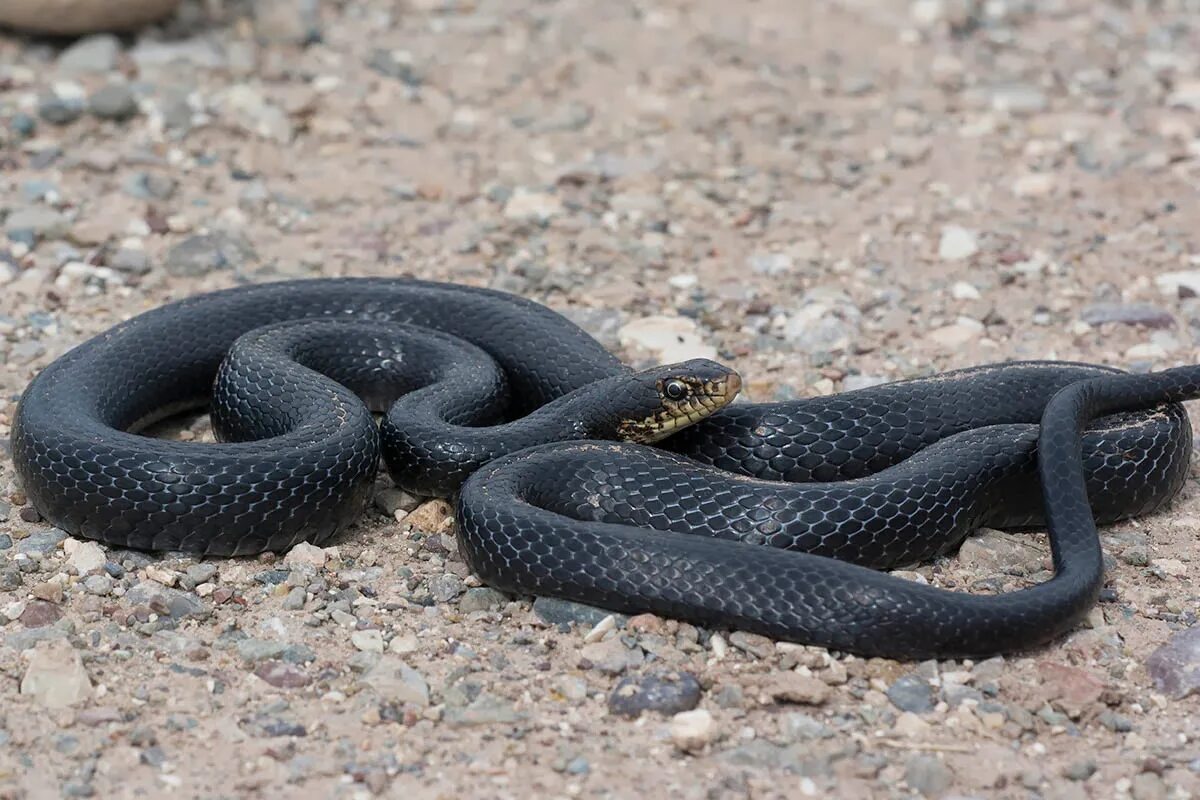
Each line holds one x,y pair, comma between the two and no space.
771,517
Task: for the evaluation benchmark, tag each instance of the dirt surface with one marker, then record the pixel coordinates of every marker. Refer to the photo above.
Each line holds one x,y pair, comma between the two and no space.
824,195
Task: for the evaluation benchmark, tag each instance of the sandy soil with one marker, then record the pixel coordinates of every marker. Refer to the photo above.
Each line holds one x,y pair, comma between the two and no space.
824,195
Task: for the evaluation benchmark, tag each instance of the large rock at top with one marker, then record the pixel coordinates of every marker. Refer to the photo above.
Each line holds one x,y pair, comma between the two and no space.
73,17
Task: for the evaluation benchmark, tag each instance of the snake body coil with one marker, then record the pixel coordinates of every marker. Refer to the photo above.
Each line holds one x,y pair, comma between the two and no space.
768,517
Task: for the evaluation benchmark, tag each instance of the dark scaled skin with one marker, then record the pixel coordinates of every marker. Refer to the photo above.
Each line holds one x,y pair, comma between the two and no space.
871,479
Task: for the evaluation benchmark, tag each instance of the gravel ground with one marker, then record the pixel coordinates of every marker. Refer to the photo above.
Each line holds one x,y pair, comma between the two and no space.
824,195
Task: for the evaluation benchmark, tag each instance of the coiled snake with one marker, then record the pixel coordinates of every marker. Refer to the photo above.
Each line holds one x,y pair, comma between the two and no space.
772,518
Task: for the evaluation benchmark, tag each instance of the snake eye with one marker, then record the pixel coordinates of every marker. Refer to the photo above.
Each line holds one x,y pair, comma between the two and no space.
675,390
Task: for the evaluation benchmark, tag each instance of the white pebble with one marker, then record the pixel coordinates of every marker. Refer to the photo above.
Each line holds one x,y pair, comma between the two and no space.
692,730
957,244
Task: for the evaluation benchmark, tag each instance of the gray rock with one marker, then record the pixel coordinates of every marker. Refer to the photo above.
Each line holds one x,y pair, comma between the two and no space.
42,543
1145,314
793,758
397,682
1019,99
664,692
444,588
928,775
1080,770
282,674
482,599
485,709
200,573
164,600
100,585
565,612
1175,666
149,186
386,62
207,252
911,693
61,106
252,651
131,260
611,656
805,727
1118,723
1148,786
295,599
115,102
287,21
35,223
91,54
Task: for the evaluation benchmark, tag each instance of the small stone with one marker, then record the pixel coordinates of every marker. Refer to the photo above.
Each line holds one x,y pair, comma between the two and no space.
295,599
1175,666
1019,99
164,576
532,206
664,692
113,102
792,687
1148,786
55,677
249,109
1186,94
395,501
670,339
826,321
912,693
928,775
1072,689
1184,283
1036,184
50,591
170,602
446,587
804,727
611,656
208,252
39,614
131,260
396,682
33,224
305,553
296,22
100,585
62,104
485,709
1080,770
85,556
1143,314
910,726
955,336
201,573
961,290
481,599
1117,723
91,54
693,730
282,674
771,264
252,651
993,552
431,516
369,641
957,243
394,64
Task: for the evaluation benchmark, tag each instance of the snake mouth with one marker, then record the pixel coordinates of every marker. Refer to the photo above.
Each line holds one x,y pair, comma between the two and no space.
705,398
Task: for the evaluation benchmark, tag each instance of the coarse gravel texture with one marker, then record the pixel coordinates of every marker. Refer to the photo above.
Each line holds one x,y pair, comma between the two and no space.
825,195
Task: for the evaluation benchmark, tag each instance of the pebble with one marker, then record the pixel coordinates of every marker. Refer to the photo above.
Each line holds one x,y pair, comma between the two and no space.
826,320
693,730
295,22
248,108
100,585
912,693
42,543
305,553
993,552
1175,666
369,640
30,225
1036,184
482,599
669,339
85,556
163,600
928,775
282,675
207,252
804,727
611,656
115,101
1144,314
1147,786
62,104
397,682
957,243
56,677
39,613
1080,770
532,206
485,709
664,692
1019,99
1185,283
792,687
91,54
445,587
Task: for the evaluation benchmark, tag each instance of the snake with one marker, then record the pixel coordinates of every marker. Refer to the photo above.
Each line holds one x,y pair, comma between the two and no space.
574,475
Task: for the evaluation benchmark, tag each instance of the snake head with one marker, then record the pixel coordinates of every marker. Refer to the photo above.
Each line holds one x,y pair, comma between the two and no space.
667,398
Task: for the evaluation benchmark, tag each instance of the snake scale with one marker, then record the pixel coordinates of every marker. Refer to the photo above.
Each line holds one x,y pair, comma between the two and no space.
577,477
